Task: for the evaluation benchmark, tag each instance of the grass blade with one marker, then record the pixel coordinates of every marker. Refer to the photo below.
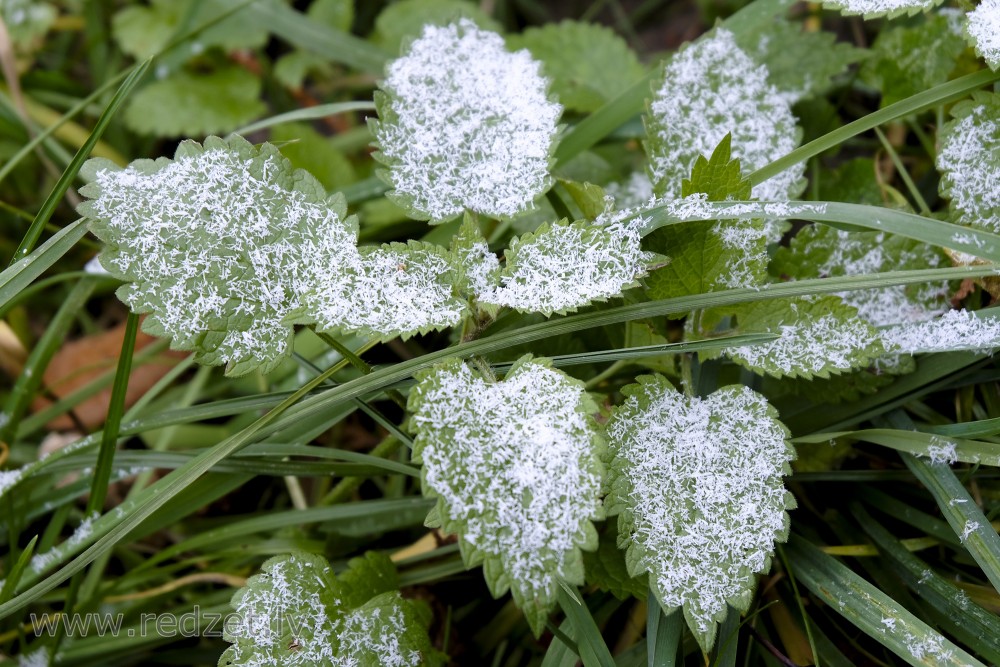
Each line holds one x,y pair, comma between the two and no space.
871,610
916,443
20,274
308,113
52,201
962,514
593,650
663,634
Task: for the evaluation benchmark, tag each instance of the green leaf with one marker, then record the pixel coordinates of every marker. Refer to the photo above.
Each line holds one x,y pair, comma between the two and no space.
516,468
189,103
909,59
709,89
397,289
476,269
195,239
452,136
307,149
968,162
872,9
705,258
565,265
143,31
588,64
821,251
852,181
800,63
297,612
697,485
982,27
820,336
406,18
292,68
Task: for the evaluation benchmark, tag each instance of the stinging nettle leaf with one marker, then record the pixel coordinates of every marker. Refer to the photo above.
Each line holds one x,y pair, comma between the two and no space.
464,125
820,336
587,63
296,611
516,468
214,245
398,289
697,486
871,9
821,251
566,265
969,162
403,20
709,89
955,330
983,28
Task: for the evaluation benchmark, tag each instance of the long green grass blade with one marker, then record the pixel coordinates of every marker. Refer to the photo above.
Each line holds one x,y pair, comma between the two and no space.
962,514
52,201
20,274
307,113
663,634
594,651
946,92
914,442
14,578
871,610
975,626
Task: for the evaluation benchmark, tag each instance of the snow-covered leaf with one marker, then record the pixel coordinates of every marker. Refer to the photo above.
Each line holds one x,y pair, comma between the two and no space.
516,468
697,486
214,245
397,289
709,89
588,64
983,27
403,20
607,569
464,125
819,336
955,330
706,256
820,251
296,611
909,59
566,265
142,31
477,269
871,9
800,63
969,161
189,103
307,149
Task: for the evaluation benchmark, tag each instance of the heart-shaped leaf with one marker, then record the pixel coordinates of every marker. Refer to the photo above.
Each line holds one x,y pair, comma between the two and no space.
464,125
697,486
516,468
296,611
969,165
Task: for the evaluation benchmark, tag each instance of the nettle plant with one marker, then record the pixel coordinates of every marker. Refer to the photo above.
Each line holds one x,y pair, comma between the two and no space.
548,483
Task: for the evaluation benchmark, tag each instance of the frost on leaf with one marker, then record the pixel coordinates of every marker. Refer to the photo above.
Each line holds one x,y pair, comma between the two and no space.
820,251
819,336
477,269
955,330
516,468
397,289
969,162
213,245
876,8
566,265
983,27
697,486
296,611
712,88
464,125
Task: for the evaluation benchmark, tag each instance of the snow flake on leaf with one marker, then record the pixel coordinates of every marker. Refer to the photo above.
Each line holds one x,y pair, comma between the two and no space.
712,88
983,26
969,161
465,125
214,244
516,468
697,485
955,330
297,612
876,8
567,265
